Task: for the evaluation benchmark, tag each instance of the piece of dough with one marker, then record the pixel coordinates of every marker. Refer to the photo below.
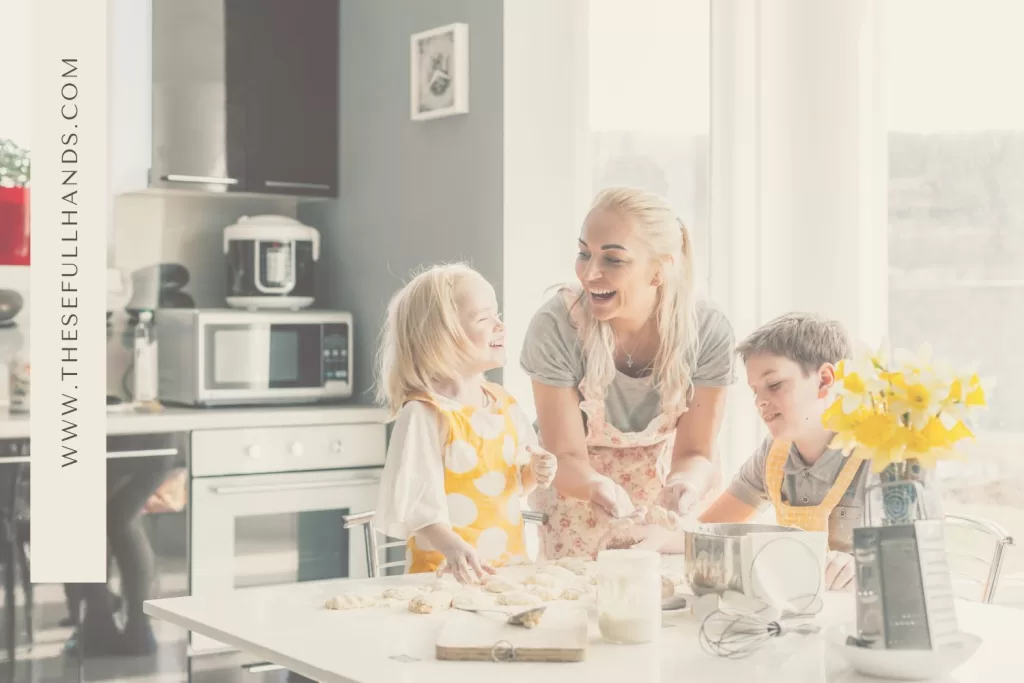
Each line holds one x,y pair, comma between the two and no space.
498,584
401,593
518,598
349,601
576,565
556,570
474,600
542,580
573,594
426,603
668,589
545,593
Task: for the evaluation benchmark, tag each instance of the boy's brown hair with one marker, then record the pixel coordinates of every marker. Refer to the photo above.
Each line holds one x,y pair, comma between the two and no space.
807,339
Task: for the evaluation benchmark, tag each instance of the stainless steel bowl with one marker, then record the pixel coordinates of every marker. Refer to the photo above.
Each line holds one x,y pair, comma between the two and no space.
714,561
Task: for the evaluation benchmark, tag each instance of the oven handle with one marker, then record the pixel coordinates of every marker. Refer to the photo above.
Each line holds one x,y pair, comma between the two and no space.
265,488
148,452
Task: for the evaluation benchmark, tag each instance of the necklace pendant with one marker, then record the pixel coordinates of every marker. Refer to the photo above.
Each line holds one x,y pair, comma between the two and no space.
629,361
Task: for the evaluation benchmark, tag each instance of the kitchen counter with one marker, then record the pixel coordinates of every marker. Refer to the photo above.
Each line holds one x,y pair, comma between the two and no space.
289,626
173,419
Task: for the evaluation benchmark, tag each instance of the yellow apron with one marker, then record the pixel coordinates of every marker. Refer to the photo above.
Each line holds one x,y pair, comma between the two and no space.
806,517
481,482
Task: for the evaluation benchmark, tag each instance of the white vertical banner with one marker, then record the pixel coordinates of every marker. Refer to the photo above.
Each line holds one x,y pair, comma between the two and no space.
69,215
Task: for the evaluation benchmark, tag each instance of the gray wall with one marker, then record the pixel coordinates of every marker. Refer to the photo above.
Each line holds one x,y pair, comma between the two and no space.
412,192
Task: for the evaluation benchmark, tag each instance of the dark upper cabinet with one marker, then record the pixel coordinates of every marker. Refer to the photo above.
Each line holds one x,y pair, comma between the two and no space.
245,96
292,96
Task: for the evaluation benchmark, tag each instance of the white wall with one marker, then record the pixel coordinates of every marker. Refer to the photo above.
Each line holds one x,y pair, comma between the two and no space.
546,171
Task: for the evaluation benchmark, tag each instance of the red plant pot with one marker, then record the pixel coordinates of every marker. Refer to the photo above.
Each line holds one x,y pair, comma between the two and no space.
15,245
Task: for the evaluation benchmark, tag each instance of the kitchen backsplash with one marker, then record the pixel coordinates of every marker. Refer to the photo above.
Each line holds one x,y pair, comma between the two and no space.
187,230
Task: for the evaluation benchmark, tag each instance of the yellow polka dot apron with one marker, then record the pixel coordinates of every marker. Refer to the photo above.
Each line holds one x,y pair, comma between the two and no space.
637,461
481,482
806,517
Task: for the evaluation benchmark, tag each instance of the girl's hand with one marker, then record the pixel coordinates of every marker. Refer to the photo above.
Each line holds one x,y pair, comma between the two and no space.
543,464
463,561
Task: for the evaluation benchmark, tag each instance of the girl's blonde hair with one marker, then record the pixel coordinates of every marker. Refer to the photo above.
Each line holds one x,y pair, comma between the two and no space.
422,341
668,241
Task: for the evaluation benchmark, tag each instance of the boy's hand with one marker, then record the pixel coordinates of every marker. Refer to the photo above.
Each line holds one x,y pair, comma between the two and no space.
543,464
840,570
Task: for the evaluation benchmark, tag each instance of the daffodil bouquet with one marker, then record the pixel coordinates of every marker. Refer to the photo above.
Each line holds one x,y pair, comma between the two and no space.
902,413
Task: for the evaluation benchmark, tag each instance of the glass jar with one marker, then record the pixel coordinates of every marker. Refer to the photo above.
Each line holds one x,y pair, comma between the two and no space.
629,595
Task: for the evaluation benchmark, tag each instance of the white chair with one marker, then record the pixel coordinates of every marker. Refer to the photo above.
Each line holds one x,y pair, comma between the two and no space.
374,565
967,530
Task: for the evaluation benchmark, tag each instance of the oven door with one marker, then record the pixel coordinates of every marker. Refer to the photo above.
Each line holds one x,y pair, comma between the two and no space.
242,358
266,529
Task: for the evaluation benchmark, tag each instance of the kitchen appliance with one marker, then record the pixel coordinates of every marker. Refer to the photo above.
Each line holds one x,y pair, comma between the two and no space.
231,357
267,506
904,590
719,556
271,262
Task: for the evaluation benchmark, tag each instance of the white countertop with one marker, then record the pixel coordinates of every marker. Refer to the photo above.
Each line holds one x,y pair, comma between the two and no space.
289,626
173,419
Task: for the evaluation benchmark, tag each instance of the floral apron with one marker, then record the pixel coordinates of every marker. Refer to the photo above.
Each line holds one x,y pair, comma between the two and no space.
637,461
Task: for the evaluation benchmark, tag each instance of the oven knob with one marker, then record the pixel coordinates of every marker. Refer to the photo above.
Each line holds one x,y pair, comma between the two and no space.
253,451
337,446
296,450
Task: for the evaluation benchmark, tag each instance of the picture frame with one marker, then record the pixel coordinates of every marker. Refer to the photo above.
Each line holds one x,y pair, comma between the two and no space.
439,72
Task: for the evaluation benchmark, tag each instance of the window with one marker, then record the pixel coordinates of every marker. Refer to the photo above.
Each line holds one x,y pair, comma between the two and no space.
649,91
956,224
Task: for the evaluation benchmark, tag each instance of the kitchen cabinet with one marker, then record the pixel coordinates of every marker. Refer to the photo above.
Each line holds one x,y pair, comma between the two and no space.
239,96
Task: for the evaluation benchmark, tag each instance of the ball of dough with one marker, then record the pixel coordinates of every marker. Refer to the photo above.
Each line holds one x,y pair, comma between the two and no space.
498,584
518,598
349,601
426,603
668,589
542,580
545,593
573,594
400,593
473,600
556,571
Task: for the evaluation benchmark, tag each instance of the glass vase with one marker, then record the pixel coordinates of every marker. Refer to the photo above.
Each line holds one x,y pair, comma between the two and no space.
902,493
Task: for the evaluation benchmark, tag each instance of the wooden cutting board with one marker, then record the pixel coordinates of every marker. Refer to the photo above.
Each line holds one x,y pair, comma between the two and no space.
561,636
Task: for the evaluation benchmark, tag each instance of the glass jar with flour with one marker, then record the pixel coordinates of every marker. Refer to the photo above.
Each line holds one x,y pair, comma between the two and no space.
629,595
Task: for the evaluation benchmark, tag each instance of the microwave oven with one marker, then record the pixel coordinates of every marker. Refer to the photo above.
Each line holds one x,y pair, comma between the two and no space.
219,357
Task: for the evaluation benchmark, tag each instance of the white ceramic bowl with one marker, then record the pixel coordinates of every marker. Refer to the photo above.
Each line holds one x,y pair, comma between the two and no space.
903,665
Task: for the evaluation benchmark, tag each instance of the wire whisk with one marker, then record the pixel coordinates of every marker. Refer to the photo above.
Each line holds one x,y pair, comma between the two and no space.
735,635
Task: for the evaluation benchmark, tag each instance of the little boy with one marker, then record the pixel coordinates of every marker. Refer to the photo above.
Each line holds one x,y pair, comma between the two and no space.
791,365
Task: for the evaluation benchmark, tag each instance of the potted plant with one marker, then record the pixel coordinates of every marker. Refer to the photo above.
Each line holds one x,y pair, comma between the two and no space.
15,178
904,414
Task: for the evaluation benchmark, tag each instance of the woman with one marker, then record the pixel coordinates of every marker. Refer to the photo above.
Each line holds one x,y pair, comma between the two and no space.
630,372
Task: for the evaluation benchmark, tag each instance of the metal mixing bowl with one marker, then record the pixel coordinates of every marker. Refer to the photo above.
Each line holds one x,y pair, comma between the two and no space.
714,561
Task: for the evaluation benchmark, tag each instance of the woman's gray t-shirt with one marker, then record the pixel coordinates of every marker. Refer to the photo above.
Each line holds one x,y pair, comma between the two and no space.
552,354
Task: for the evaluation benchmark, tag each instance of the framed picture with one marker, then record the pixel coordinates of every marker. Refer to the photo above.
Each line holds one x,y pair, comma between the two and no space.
440,72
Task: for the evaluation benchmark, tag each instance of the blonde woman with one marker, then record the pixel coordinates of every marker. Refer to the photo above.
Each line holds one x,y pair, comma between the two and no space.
462,452
630,371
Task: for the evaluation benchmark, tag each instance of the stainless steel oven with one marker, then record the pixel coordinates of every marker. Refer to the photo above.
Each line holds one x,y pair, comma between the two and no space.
267,505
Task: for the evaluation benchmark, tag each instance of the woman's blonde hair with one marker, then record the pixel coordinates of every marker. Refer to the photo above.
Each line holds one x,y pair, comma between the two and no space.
668,241
423,340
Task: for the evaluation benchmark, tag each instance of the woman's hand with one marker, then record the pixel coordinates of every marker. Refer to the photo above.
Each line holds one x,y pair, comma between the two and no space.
840,571
611,498
679,496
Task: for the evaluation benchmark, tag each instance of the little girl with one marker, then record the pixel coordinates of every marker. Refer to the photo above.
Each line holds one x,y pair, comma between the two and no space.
462,453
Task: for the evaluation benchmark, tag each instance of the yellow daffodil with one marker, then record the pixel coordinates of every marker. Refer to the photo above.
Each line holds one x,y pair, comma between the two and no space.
910,407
